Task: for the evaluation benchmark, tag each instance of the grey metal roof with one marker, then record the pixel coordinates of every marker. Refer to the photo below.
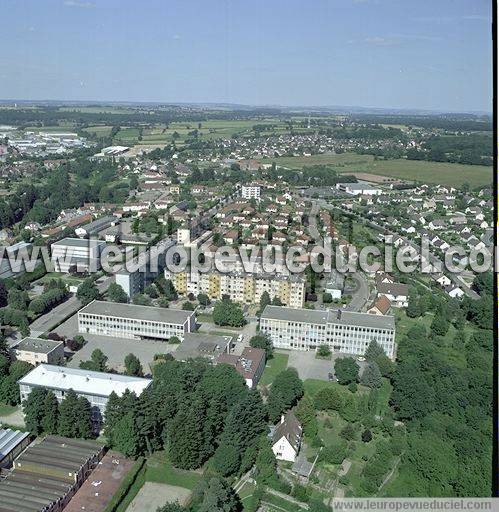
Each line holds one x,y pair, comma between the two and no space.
133,311
9,439
39,345
335,316
98,223
302,315
78,242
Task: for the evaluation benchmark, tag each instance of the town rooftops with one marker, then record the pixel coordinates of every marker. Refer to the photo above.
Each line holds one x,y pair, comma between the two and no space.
331,316
83,381
38,345
133,311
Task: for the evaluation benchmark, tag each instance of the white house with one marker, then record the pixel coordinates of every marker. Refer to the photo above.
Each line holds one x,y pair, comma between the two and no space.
286,438
454,291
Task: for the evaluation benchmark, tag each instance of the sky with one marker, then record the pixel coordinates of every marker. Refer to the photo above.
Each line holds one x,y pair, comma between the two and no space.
424,54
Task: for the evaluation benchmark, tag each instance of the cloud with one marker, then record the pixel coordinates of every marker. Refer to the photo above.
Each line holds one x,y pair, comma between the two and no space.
79,4
177,37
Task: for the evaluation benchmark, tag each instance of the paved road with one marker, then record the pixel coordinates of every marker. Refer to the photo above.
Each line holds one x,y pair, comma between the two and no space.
47,322
360,295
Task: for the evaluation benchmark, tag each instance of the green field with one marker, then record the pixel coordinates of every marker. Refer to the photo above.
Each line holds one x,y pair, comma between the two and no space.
160,470
414,170
274,366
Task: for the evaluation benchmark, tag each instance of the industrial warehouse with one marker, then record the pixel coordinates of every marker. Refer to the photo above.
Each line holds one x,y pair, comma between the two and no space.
47,474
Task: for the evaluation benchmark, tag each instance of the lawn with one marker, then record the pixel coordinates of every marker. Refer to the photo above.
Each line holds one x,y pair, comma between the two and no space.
273,367
6,410
434,172
160,470
414,170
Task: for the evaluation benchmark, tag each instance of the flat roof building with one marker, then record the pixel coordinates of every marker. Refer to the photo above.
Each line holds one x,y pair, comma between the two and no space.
133,321
47,474
94,386
342,331
208,346
76,253
39,350
12,442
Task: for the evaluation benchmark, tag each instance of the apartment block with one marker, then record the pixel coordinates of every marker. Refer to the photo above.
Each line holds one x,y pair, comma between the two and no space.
342,331
241,287
134,322
250,191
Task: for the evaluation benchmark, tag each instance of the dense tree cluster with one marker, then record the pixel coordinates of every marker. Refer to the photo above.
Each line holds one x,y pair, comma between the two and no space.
195,411
71,418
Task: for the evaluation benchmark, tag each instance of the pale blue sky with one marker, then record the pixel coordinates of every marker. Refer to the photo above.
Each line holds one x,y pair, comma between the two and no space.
429,54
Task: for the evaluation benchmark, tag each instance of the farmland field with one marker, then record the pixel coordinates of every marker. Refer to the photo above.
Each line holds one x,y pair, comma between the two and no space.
416,170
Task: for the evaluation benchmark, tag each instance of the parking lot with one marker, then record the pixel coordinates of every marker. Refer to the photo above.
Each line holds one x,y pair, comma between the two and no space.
309,367
116,349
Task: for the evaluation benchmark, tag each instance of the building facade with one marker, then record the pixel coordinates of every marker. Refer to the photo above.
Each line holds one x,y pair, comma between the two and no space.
81,254
241,287
250,191
342,331
94,386
134,322
38,350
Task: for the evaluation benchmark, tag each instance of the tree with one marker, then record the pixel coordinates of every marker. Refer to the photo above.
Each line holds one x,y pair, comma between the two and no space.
97,363
133,366
18,299
186,438
328,399
50,413
264,302
348,432
414,309
305,413
264,342
346,370
439,325
334,454
286,390
68,415
371,377
3,294
203,299
219,497
327,298
84,418
87,291
265,464
226,460
324,351
115,293
33,408
227,312
126,437
373,350
366,436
